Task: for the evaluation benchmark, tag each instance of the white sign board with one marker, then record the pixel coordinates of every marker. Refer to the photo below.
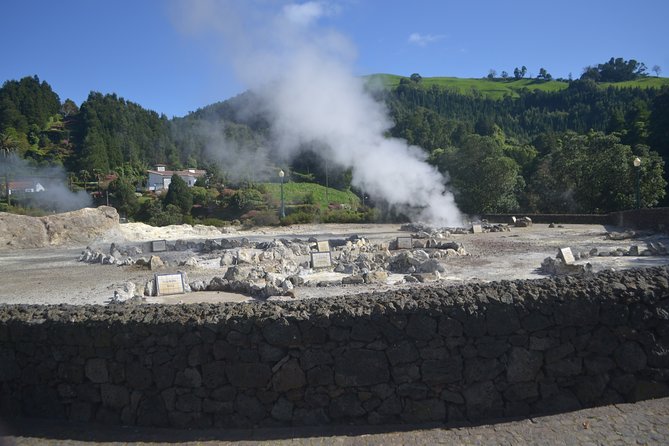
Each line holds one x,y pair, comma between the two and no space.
158,245
324,246
404,243
477,229
566,255
321,260
169,284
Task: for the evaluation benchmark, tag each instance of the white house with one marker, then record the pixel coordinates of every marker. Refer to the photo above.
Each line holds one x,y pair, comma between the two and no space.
160,178
25,186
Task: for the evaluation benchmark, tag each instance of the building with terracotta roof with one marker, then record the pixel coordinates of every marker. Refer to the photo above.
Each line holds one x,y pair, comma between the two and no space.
24,186
160,178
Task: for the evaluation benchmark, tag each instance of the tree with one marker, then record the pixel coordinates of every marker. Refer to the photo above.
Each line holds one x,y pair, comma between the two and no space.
519,73
416,77
657,70
179,195
123,197
492,74
594,173
543,74
8,144
27,102
505,75
69,108
615,70
484,178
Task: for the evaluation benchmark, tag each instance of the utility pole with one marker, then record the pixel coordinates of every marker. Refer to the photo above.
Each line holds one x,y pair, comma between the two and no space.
327,183
283,208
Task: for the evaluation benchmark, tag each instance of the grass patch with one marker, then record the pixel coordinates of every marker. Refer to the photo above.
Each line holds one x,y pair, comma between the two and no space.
311,193
645,82
498,89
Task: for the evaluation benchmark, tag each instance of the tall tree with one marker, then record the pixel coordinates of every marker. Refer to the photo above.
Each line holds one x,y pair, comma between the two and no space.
484,179
123,197
179,195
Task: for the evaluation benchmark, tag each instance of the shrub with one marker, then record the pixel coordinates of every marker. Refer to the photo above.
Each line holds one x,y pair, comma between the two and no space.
260,218
299,217
217,222
349,216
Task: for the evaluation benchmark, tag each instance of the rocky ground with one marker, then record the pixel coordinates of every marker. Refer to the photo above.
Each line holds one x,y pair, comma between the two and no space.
231,264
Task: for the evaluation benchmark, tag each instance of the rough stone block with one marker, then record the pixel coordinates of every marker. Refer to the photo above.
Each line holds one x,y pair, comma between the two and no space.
289,376
248,374
523,365
114,396
96,370
483,401
282,333
630,357
403,352
424,411
213,374
444,371
361,367
421,327
346,406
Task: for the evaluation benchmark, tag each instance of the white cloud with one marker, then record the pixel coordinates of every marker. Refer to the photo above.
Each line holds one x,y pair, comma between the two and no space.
304,14
424,39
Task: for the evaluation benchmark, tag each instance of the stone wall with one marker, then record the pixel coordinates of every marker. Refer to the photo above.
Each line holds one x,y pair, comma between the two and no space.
656,219
572,219
472,352
653,218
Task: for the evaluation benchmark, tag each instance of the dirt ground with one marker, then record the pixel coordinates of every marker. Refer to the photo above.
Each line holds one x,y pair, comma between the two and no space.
54,276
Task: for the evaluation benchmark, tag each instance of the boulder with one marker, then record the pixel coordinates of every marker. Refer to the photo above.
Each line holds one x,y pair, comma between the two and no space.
190,261
557,267
198,285
124,292
375,277
155,263
523,222
353,280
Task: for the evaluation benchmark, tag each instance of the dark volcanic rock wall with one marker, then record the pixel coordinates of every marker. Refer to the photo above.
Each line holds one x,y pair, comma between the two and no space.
471,352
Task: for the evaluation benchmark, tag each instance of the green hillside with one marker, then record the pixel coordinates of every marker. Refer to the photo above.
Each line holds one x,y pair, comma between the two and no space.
298,193
498,88
644,82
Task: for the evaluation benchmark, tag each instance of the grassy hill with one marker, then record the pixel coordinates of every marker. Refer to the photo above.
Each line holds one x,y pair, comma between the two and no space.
311,193
497,89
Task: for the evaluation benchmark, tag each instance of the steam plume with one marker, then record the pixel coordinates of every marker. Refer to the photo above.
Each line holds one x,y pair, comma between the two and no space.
304,73
55,197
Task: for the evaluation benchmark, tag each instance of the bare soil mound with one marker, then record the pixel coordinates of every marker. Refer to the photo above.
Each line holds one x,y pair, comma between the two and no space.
82,226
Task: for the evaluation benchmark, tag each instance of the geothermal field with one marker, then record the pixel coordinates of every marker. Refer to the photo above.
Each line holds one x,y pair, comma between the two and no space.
88,257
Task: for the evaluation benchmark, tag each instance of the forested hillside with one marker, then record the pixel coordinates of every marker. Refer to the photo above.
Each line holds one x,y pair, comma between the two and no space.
539,147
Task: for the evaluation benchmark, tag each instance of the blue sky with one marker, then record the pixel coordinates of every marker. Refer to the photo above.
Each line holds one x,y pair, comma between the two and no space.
138,50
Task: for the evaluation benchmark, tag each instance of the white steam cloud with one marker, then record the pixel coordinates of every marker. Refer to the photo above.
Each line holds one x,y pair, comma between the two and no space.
55,196
304,73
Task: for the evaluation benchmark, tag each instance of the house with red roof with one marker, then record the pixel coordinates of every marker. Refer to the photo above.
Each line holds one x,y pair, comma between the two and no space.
24,186
160,178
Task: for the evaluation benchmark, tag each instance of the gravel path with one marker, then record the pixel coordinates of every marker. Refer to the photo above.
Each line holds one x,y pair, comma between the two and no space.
643,423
